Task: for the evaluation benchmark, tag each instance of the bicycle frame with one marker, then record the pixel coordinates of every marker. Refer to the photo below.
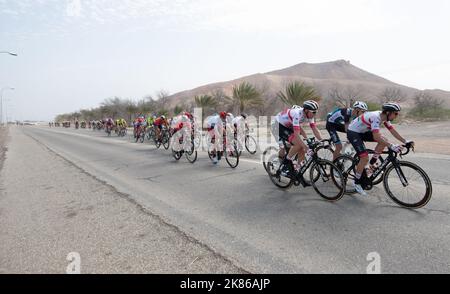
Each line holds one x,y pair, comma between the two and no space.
391,159
299,179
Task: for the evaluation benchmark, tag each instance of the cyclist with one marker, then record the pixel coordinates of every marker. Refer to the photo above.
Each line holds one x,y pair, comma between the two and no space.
184,121
158,124
216,124
109,123
366,128
150,120
339,120
287,127
121,124
138,123
240,121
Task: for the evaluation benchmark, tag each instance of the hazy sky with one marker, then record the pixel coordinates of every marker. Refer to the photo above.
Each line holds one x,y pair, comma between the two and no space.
75,53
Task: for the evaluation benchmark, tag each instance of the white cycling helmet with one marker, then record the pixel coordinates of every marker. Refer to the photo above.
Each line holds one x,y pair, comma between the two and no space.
361,105
296,107
391,106
311,105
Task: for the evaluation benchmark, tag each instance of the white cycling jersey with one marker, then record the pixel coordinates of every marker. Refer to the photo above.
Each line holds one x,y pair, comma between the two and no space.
368,122
238,120
292,118
213,120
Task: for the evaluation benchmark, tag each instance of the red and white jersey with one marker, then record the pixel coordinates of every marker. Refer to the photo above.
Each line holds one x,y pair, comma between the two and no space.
293,118
179,121
368,122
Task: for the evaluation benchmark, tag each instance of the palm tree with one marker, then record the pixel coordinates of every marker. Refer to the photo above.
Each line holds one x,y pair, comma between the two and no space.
177,109
296,93
206,102
244,96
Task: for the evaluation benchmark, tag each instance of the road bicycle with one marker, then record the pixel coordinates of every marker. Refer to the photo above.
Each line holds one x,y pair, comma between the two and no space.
187,148
230,150
405,182
325,177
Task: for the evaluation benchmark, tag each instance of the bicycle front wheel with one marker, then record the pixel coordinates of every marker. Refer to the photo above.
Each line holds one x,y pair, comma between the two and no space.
166,140
409,186
250,144
191,155
327,180
345,164
232,155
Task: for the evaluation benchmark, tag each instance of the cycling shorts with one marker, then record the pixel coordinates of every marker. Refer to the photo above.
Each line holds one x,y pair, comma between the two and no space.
281,133
333,130
357,140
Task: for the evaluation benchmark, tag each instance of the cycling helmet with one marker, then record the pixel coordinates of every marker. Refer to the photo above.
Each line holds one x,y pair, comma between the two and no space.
311,105
244,115
296,107
163,117
360,105
391,106
223,114
188,114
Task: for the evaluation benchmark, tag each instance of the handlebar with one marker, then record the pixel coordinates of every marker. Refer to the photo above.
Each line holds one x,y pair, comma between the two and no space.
408,147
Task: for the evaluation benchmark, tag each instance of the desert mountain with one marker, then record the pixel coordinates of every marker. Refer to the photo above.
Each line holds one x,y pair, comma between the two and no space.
323,76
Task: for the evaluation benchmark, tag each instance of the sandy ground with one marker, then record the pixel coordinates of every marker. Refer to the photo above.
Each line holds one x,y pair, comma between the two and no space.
430,137
50,208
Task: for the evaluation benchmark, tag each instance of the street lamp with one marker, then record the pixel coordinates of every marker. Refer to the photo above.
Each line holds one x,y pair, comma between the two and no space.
10,53
1,102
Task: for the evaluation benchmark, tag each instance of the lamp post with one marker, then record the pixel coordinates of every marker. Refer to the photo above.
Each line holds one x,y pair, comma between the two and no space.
10,53
1,102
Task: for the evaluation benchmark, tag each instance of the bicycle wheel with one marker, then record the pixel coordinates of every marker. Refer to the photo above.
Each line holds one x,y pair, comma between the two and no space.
325,152
418,190
345,163
138,133
327,180
166,140
250,144
277,177
232,156
176,154
268,157
191,155
157,142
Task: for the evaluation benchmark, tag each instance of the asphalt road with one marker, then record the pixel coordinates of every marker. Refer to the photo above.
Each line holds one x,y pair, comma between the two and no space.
242,216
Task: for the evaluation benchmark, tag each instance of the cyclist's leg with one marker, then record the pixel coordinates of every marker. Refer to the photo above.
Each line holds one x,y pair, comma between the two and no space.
279,135
332,130
357,140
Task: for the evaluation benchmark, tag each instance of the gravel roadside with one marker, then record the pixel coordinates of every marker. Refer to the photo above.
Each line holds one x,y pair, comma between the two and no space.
50,208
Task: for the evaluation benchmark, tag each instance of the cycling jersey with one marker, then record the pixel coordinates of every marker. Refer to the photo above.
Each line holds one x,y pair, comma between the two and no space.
368,122
238,120
213,121
179,122
292,118
159,122
339,116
